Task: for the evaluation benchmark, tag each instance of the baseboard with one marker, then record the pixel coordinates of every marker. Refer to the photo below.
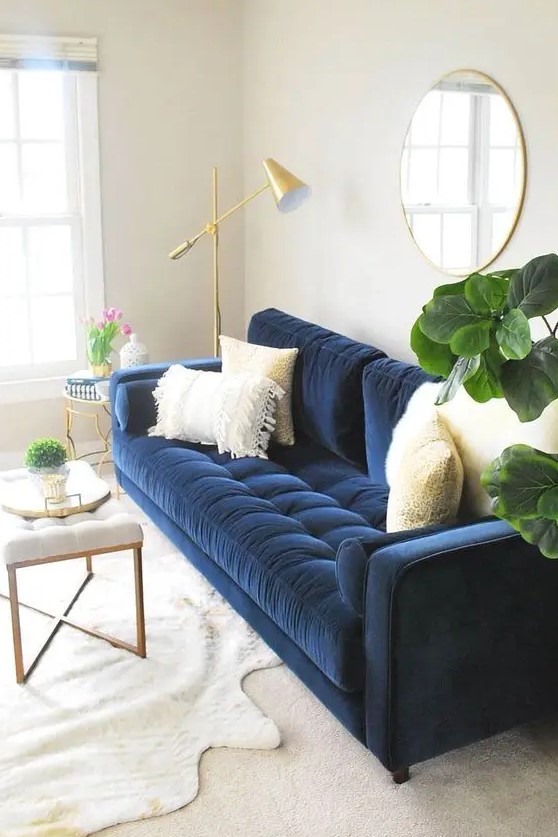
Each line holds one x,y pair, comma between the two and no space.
14,458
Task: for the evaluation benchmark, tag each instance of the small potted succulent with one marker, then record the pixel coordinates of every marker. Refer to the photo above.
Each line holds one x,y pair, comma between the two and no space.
45,460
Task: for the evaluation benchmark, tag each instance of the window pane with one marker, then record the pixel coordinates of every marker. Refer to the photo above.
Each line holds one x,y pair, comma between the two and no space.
14,333
501,223
455,118
457,241
12,262
501,177
426,232
454,174
41,105
7,122
53,328
422,176
503,130
50,259
44,177
404,175
9,180
426,121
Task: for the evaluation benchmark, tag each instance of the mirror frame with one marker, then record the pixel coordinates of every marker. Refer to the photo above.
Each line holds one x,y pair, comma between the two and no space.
521,200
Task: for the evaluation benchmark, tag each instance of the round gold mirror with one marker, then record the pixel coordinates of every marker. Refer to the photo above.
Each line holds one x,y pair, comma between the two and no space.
463,172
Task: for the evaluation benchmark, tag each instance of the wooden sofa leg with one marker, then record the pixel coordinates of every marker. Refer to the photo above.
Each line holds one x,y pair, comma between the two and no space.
400,776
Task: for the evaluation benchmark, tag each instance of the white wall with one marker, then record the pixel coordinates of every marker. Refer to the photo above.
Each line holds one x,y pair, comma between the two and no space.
330,88
169,109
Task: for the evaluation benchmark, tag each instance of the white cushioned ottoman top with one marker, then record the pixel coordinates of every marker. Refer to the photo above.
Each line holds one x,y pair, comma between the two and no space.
106,528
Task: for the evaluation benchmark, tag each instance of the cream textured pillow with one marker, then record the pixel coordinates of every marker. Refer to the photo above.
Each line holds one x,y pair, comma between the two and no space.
480,433
234,412
427,484
276,364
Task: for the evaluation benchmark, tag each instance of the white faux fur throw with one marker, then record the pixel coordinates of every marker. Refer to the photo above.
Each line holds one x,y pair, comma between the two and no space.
98,736
480,432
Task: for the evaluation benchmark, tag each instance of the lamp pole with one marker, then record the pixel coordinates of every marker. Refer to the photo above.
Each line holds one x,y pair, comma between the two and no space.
215,233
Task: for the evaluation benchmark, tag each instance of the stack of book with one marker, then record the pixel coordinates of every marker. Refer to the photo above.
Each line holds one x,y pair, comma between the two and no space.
83,385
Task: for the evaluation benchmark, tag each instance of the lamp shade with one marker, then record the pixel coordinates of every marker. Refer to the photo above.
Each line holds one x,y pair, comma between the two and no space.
289,192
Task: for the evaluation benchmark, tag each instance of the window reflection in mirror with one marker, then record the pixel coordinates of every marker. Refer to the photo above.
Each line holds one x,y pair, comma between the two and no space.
463,172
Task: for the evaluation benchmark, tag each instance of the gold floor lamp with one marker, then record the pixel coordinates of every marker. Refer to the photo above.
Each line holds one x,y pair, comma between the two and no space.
289,192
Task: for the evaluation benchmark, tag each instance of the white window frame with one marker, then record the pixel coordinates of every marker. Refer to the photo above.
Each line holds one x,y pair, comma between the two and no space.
82,147
478,205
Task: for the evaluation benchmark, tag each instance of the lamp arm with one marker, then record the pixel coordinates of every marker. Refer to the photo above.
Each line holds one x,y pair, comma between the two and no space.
242,203
211,228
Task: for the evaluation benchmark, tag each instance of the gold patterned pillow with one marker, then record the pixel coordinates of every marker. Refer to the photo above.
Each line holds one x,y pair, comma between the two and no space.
426,489
276,364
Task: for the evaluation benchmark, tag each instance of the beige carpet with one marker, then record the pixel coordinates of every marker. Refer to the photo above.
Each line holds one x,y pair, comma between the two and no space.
322,782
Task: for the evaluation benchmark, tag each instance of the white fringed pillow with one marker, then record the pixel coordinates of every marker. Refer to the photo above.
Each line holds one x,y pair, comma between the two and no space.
234,412
426,486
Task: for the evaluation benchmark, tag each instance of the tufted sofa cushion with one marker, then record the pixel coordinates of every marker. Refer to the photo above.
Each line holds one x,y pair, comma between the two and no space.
271,532
327,386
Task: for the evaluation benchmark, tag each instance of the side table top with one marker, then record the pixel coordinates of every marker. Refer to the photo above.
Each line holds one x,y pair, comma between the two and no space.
95,402
21,496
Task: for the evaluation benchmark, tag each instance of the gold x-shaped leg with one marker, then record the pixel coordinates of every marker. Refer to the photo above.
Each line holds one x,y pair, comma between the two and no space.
62,619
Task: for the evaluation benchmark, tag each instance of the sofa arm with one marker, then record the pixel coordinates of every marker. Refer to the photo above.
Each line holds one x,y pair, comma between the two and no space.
131,392
352,560
461,640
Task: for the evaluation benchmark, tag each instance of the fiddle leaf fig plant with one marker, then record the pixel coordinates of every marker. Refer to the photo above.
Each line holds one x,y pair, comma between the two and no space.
476,333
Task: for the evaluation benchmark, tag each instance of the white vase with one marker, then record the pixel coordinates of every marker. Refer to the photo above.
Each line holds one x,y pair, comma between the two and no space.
133,353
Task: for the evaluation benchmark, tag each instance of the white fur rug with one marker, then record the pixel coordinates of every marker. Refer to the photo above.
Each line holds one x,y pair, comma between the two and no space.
99,736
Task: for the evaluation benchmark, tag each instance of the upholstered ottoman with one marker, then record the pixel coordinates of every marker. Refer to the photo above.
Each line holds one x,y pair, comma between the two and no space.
26,542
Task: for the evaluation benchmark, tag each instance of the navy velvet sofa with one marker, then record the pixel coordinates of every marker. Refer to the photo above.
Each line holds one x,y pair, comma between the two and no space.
419,642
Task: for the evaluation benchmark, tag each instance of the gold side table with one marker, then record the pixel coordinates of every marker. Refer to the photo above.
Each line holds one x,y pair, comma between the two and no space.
97,411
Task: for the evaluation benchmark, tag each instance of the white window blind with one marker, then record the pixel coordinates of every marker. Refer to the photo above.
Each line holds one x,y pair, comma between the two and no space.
30,52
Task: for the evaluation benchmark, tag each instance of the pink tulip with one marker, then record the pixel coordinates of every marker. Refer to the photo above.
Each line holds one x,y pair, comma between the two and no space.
109,314
126,329
100,326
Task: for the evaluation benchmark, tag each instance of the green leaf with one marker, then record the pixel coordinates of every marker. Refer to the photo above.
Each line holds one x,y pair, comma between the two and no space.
435,358
464,368
472,339
491,476
534,288
540,532
453,289
485,383
548,504
514,335
504,274
519,479
444,315
486,294
531,384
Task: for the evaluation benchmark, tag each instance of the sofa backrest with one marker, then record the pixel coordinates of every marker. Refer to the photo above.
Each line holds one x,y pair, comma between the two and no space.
327,387
387,386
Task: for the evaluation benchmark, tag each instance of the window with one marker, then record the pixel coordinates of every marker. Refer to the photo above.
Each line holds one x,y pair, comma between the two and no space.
50,245
461,174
